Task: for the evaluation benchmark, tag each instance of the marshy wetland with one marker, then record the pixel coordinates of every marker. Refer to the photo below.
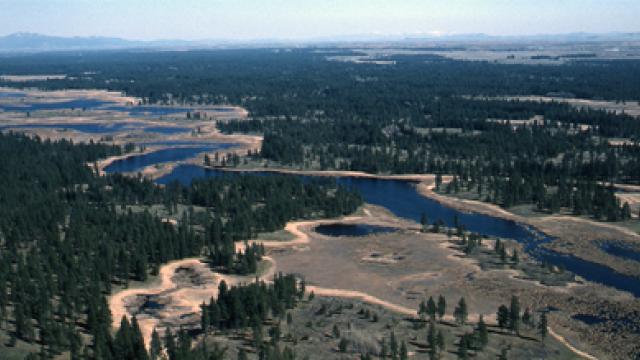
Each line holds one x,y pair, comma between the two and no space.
413,238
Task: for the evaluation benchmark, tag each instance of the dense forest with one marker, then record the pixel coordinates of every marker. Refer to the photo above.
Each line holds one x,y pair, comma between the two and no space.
301,82
424,114
552,149
68,236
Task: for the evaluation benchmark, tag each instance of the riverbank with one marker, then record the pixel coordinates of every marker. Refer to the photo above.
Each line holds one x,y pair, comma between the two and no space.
181,300
572,235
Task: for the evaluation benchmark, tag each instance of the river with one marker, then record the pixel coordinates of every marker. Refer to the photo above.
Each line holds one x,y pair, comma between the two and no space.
403,200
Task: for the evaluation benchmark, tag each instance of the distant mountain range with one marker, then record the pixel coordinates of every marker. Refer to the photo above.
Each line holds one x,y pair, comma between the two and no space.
38,42
31,42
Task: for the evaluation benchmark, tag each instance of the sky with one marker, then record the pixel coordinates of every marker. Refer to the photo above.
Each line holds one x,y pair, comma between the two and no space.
308,19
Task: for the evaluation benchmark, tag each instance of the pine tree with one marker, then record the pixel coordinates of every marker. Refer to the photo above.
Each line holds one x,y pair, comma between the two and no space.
242,355
155,349
442,307
514,257
123,342
404,353
497,245
483,333
440,341
461,313
503,254
422,310
335,331
205,319
543,326
393,345
503,316
170,344
431,308
424,222
527,318
463,348
432,338
383,348
138,349
343,344
514,315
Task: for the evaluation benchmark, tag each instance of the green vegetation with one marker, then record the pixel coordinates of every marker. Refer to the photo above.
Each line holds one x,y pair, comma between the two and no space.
67,236
250,305
426,114
65,244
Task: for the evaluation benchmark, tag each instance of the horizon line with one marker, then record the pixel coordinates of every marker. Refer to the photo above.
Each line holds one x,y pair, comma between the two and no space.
431,35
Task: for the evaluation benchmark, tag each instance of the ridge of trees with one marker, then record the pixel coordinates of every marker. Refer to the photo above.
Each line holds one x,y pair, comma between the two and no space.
68,236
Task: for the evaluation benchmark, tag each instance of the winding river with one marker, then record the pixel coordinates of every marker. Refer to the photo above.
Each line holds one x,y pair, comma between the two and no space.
403,200
139,162
31,105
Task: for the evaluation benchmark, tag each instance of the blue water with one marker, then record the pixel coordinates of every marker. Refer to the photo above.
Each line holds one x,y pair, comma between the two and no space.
151,305
166,130
148,110
352,229
101,105
403,200
621,251
72,104
589,319
85,127
12,95
103,128
162,110
185,174
139,162
176,143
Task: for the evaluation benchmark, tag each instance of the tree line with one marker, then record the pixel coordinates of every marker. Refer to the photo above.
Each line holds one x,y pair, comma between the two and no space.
68,236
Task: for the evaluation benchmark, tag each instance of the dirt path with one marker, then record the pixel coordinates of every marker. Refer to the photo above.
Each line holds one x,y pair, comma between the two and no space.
192,297
364,297
564,341
189,298
423,178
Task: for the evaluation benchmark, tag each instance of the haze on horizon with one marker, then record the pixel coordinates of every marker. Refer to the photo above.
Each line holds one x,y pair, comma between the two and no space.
295,19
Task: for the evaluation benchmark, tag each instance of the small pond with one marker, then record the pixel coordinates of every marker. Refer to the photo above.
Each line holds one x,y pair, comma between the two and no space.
352,229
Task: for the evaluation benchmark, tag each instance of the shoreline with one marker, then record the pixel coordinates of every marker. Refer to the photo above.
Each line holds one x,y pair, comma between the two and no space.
583,247
550,226
117,302
165,285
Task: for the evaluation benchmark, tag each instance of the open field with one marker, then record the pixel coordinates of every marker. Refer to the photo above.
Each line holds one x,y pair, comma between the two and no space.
119,127
318,325
425,265
630,108
501,52
26,78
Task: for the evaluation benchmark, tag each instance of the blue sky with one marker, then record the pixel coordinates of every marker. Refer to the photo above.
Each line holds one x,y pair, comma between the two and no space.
297,19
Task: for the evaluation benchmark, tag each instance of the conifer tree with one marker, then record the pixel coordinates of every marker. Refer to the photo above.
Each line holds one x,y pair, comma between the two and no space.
461,312
442,307
543,326
432,340
155,348
431,308
514,315
483,333
503,316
